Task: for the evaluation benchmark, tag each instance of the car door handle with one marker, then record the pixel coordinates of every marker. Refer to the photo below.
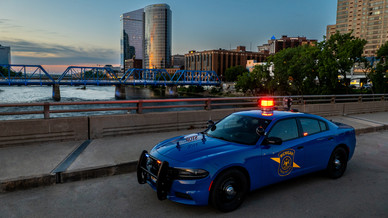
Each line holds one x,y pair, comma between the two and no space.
300,147
330,138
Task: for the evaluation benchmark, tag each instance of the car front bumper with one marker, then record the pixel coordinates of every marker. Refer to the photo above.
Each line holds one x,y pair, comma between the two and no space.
192,192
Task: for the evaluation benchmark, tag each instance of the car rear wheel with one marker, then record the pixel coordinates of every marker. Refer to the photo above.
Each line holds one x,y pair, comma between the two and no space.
337,163
229,190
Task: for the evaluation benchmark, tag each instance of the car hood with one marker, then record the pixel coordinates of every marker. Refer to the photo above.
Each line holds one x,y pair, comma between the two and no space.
194,147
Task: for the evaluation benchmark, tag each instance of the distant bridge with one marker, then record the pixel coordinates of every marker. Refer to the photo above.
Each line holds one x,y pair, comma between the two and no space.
100,76
17,75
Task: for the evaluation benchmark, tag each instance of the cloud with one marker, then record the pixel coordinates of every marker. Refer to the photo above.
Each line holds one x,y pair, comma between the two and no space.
7,24
29,52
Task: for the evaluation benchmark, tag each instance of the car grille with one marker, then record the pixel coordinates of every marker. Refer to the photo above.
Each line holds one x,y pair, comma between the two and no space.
152,165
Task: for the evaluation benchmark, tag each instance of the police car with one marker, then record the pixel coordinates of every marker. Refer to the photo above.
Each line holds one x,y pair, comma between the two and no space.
243,152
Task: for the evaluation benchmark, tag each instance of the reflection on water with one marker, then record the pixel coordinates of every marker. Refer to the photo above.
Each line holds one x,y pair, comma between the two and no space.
29,94
33,94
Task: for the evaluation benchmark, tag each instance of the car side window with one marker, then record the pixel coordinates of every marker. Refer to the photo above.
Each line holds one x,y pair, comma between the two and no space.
323,126
312,126
285,129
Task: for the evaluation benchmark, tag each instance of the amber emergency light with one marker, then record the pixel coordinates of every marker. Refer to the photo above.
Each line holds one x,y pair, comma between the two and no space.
267,106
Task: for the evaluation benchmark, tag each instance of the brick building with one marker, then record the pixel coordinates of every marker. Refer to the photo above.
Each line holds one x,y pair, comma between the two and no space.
220,60
275,45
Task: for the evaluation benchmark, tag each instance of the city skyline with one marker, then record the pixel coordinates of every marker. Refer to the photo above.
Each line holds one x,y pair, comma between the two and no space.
88,32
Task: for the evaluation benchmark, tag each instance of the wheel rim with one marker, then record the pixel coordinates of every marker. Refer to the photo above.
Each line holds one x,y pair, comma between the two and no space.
339,161
229,190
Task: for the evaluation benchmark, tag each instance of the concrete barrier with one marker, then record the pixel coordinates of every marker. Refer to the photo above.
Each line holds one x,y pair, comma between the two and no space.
103,126
82,128
16,132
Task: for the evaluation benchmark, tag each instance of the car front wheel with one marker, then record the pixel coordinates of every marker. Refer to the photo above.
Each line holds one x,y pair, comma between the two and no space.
337,163
229,190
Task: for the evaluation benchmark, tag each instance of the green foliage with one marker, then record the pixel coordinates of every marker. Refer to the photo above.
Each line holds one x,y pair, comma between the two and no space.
4,73
93,74
379,75
296,69
309,69
338,55
232,73
258,81
215,90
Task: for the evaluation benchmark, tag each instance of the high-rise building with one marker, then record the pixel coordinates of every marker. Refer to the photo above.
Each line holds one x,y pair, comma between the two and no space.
132,37
157,37
5,55
368,19
146,37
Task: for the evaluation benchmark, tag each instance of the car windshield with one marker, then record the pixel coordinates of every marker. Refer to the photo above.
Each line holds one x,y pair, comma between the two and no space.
238,128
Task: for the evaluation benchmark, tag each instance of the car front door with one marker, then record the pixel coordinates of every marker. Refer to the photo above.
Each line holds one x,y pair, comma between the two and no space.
286,160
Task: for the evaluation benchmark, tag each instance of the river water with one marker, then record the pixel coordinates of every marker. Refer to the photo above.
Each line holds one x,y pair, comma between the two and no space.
33,94
29,94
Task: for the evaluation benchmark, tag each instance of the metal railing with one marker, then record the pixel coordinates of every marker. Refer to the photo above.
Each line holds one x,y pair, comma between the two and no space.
154,105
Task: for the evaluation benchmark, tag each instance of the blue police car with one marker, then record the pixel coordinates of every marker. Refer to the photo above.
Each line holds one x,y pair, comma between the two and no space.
243,152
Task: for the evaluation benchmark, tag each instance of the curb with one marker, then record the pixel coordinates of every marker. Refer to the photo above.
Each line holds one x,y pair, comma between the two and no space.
97,172
71,176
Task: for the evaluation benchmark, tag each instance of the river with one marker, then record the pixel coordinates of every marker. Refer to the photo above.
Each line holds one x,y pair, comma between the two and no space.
28,94
33,94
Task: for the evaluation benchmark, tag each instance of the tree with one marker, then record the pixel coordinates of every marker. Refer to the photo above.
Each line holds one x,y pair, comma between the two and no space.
378,76
338,55
295,69
232,73
4,73
258,81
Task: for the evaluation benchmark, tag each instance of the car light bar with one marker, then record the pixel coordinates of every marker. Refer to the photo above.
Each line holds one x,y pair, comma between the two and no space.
267,103
267,106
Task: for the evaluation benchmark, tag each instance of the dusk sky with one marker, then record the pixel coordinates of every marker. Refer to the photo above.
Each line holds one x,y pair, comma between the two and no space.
87,32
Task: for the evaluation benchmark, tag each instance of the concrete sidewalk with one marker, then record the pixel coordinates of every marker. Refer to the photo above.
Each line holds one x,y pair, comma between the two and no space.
38,164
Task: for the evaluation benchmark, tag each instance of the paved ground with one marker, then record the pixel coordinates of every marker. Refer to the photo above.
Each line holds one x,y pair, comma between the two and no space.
38,160
361,192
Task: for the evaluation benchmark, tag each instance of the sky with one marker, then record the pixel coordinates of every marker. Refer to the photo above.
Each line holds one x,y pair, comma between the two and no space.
87,32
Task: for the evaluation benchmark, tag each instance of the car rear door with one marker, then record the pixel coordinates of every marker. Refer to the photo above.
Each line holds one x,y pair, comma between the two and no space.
317,142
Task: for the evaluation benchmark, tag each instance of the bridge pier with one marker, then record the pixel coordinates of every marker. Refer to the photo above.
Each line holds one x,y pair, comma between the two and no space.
56,92
120,92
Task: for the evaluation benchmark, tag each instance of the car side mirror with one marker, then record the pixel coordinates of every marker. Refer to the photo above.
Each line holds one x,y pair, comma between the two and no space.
273,141
260,131
210,123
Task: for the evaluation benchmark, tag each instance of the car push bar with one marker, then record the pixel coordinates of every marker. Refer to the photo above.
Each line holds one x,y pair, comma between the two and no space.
162,182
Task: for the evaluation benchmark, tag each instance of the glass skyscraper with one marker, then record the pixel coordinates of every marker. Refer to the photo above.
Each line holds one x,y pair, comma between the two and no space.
132,36
157,36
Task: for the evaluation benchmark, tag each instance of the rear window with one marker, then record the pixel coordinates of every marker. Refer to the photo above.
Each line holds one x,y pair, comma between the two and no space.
312,126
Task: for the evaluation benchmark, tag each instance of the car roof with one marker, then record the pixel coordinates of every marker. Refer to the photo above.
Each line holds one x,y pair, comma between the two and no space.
275,114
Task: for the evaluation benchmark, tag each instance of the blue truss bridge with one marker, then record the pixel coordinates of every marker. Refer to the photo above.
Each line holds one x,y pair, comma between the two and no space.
101,76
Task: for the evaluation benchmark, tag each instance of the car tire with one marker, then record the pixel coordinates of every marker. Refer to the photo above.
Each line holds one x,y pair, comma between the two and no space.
337,163
229,190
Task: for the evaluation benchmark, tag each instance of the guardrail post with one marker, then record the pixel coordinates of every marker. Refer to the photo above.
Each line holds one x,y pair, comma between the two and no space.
360,98
46,110
333,100
208,104
383,98
139,109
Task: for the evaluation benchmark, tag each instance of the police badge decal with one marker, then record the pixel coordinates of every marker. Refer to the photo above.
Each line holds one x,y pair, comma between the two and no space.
286,162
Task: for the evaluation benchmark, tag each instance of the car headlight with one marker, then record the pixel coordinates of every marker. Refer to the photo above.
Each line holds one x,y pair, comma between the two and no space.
189,174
